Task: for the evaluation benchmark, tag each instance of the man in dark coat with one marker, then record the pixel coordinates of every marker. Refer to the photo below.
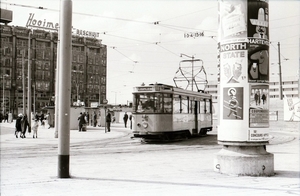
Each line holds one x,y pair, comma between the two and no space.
24,125
108,120
18,125
125,118
81,121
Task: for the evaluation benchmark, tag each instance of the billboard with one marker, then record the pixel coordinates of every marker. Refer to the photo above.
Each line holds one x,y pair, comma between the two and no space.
291,109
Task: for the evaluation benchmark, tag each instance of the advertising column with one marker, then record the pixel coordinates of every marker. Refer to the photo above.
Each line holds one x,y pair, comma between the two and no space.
244,87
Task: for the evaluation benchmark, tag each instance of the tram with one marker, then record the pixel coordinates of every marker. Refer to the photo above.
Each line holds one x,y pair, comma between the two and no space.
167,113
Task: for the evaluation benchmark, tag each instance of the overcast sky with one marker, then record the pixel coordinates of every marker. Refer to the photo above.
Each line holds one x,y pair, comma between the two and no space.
141,51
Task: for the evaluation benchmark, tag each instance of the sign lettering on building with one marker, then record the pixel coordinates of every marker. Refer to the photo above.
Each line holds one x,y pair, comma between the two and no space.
48,25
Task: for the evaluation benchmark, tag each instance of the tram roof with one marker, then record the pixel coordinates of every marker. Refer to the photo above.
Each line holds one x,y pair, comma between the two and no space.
151,88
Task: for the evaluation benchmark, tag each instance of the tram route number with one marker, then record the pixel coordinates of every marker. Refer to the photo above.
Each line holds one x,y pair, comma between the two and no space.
194,34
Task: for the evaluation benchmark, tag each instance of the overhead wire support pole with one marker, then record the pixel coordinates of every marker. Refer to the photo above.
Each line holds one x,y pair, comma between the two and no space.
23,81
280,74
29,84
64,91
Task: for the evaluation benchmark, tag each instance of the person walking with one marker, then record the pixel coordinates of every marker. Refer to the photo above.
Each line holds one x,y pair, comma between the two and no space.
125,118
108,120
6,117
18,125
95,119
42,118
130,118
81,121
35,128
24,126
87,119
49,120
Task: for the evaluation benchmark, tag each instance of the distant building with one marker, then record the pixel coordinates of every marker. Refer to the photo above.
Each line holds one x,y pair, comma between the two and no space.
89,62
289,87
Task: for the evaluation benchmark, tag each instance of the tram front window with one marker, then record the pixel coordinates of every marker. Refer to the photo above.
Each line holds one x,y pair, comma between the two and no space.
152,103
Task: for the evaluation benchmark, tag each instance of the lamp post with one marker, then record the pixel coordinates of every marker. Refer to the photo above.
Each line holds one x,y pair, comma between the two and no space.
115,96
3,104
99,90
77,82
99,82
23,80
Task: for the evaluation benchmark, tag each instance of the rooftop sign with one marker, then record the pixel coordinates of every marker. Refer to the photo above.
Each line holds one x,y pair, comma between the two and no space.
48,25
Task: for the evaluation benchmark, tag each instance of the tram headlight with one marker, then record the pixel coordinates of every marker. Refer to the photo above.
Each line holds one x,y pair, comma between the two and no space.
145,125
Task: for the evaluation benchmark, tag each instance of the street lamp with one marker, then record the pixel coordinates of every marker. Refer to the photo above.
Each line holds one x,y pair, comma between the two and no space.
115,96
77,82
99,82
3,104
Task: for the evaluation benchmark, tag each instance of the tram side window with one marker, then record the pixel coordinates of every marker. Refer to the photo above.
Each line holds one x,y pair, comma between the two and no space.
202,107
177,104
167,106
192,107
208,106
184,104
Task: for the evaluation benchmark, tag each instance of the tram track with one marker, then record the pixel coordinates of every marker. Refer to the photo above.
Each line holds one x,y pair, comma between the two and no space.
120,144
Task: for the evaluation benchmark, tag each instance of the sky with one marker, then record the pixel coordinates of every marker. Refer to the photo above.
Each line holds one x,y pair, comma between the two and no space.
145,38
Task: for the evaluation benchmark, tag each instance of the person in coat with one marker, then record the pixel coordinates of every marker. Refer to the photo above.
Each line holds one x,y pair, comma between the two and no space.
35,128
18,125
108,120
125,119
81,121
24,126
95,119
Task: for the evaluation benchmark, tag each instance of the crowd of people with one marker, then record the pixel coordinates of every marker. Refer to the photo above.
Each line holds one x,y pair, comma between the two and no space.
22,124
83,120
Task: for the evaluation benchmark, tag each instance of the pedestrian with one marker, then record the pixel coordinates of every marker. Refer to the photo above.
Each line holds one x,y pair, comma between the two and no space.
36,116
24,126
108,120
42,119
130,118
49,120
87,119
125,118
95,119
18,125
35,128
6,117
264,97
81,121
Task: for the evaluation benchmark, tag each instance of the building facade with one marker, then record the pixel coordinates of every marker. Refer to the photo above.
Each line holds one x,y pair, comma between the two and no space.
290,88
89,73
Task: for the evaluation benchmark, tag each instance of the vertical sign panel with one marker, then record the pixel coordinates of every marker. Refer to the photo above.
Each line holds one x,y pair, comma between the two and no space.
258,70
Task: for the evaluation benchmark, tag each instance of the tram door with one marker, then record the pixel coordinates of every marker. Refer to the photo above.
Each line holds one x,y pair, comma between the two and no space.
195,131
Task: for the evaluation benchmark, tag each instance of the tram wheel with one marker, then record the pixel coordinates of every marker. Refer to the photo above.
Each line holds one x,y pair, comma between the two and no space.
203,132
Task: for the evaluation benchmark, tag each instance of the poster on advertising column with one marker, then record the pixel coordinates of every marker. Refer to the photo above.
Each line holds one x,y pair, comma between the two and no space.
258,69
259,106
233,103
258,36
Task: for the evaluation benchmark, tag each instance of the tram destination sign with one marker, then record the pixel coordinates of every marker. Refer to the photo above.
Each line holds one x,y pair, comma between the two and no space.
144,88
48,25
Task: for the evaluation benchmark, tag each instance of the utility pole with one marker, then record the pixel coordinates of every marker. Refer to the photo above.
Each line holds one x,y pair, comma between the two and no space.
64,91
56,89
280,75
23,81
29,85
